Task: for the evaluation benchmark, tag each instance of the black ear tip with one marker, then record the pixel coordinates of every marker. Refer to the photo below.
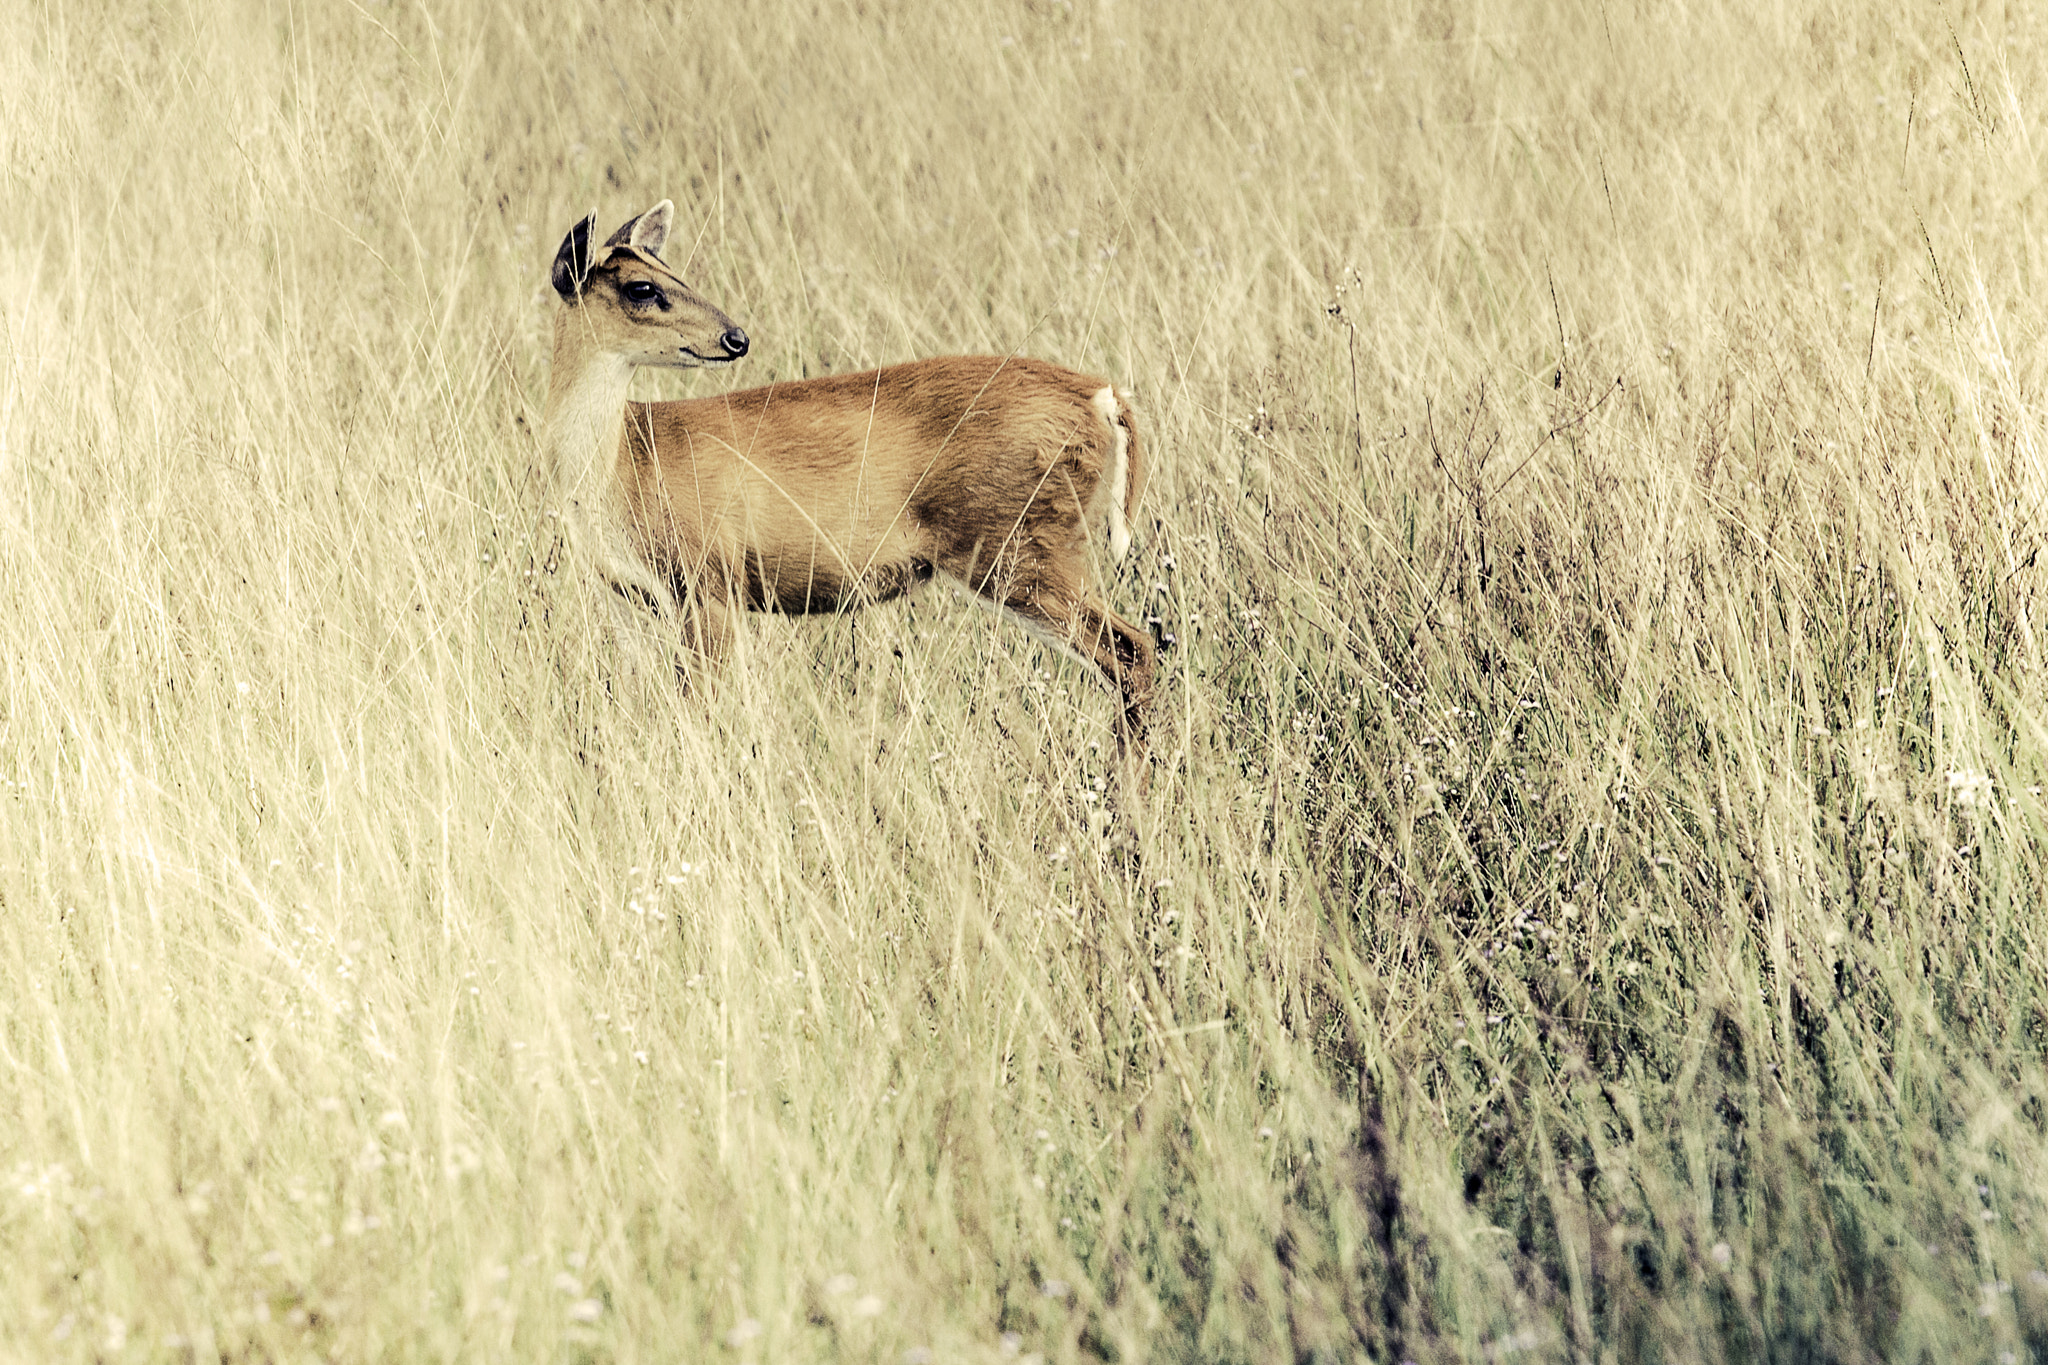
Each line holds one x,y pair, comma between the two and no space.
572,262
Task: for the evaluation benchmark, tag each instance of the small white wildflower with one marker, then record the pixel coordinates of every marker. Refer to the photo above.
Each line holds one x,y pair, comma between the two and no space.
743,1332
1969,787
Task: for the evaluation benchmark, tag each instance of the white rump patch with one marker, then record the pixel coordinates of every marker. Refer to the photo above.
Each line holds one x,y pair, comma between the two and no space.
1104,402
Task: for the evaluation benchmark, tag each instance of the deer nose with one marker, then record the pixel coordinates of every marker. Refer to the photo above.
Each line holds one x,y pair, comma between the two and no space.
735,342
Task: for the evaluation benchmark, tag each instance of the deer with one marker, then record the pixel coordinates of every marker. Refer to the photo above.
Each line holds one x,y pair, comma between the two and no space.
994,473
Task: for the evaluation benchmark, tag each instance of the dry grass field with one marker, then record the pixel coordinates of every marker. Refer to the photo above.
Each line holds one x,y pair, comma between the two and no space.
1590,901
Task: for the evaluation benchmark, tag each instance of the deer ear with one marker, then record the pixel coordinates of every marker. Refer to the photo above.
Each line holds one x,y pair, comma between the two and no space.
572,262
649,231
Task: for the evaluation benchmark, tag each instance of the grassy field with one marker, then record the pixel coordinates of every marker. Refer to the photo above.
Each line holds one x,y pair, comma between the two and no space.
1588,899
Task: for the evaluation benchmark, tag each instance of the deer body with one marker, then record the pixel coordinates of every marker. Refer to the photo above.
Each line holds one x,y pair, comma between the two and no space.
823,494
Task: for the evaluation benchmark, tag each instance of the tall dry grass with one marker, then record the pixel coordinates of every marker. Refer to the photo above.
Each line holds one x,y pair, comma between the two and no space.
1587,900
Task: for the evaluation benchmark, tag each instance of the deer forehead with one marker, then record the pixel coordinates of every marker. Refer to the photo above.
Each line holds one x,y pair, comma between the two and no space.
633,263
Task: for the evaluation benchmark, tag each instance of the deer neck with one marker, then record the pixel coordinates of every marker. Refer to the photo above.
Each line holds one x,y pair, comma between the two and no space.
586,418
586,421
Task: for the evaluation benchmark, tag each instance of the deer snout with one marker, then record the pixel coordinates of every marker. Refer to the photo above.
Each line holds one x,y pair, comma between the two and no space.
735,342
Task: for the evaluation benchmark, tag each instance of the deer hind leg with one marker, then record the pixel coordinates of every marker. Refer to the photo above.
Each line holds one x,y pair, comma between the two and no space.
1038,575
1080,623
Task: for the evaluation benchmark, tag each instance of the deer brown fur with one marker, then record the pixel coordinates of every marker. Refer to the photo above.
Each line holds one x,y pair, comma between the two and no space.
823,494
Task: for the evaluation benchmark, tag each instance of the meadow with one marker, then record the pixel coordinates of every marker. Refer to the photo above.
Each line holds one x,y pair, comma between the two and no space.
1586,899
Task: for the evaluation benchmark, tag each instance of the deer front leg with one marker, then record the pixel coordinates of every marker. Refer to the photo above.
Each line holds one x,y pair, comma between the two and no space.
706,629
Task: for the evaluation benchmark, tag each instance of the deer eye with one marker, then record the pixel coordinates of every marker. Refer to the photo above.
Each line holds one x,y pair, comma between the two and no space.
642,291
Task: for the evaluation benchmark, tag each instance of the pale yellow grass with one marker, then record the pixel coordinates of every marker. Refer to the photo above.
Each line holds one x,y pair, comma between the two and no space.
1587,900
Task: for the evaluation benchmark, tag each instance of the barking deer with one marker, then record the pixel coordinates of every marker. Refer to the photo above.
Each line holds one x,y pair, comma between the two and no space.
822,494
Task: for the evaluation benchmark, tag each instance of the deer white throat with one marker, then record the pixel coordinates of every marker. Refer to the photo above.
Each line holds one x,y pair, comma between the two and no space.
586,421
